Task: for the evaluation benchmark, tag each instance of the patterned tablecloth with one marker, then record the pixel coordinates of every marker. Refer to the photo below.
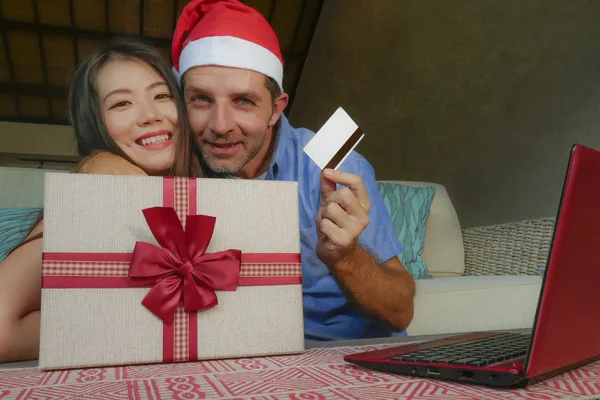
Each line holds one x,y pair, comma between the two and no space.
317,374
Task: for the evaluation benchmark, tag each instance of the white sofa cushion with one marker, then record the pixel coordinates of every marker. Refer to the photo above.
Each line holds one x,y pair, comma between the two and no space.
443,250
473,303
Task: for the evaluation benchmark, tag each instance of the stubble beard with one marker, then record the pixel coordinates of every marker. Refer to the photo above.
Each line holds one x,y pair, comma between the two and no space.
225,167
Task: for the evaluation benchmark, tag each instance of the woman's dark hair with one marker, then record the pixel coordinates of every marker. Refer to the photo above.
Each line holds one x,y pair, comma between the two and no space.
85,113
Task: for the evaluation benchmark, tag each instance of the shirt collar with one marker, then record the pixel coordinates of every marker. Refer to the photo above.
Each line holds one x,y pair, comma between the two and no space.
282,135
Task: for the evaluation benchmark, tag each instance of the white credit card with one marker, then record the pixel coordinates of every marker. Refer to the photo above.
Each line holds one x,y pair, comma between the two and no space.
334,141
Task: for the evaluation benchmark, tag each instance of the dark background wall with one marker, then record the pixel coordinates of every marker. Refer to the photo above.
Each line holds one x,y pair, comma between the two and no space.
483,96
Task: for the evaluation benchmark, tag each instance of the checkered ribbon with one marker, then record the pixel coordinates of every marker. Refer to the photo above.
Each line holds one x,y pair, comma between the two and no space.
181,321
181,194
119,269
181,337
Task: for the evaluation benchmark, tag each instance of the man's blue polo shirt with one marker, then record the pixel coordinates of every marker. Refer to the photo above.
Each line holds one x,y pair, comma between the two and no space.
327,313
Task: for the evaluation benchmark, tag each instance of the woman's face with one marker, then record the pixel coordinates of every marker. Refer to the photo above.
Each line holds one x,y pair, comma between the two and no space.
139,113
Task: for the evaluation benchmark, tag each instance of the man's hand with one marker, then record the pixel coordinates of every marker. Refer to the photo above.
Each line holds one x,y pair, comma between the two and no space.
385,290
342,216
106,163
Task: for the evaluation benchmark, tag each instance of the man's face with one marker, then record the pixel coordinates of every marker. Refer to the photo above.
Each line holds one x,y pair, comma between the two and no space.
231,113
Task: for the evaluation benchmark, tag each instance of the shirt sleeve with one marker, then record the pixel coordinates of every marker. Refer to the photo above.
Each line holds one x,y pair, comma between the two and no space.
379,238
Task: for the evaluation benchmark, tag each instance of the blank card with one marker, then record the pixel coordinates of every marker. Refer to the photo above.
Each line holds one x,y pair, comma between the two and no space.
334,141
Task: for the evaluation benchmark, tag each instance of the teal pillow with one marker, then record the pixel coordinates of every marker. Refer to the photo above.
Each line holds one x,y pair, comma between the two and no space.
409,207
15,225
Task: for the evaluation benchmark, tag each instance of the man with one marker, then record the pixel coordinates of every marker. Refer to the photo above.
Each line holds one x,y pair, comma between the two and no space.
229,63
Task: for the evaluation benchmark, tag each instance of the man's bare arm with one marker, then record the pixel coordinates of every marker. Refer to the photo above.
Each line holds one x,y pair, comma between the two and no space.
384,291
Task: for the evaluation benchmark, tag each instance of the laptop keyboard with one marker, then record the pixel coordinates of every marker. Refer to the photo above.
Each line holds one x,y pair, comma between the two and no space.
476,353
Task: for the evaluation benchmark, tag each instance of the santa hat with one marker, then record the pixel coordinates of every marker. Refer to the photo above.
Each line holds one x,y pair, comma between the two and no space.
226,33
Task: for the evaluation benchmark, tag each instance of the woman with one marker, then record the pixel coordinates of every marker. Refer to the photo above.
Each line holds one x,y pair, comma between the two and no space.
125,100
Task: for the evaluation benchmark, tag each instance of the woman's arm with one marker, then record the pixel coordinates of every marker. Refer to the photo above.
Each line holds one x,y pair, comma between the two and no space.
106,163
20,294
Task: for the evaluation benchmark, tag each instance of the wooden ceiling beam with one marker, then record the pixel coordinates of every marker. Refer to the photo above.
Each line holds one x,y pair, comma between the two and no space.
36,14
8,55
72,20
76,32
36,120
33,90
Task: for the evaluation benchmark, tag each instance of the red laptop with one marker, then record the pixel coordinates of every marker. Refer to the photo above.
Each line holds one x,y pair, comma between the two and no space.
566,330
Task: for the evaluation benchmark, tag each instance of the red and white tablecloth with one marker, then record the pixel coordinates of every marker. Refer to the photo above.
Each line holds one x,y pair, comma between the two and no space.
317,374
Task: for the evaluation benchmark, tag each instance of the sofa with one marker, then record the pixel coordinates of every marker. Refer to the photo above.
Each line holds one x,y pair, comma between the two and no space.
483,278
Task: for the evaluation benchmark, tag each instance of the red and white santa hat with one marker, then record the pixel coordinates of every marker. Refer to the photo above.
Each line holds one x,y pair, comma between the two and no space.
226,33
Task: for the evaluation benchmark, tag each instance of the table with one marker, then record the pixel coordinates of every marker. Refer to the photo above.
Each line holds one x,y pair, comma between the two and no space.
308,345
319,373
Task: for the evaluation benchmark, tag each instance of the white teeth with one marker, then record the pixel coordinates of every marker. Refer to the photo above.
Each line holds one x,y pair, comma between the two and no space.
154,139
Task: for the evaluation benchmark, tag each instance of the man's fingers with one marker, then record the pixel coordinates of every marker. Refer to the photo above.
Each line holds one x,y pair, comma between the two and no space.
327,187
343,178
336,214
346,199
352,224
335,235
353,182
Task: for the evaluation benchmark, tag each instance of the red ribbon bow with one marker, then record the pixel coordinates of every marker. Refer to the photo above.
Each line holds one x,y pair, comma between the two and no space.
181,268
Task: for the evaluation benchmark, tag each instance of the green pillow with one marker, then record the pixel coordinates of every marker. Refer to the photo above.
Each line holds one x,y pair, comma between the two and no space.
409,207
15,225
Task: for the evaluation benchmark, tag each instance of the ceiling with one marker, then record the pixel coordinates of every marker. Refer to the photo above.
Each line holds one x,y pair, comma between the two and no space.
43,41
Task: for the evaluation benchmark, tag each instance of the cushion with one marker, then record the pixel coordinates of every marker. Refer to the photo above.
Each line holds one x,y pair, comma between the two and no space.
26,186
444,251
409,209
475,303
15,225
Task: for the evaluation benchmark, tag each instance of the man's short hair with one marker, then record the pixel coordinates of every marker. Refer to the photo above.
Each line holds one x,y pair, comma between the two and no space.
272,87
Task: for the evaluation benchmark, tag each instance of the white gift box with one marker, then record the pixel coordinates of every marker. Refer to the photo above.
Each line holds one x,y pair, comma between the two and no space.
96,308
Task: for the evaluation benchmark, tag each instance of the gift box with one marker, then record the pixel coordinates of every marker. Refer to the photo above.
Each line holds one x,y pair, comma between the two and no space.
143,270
